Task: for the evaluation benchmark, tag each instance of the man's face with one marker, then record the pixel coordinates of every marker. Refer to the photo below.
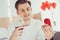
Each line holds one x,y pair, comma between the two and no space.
24,11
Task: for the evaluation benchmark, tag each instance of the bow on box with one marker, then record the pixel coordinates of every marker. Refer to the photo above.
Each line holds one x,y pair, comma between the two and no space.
47,5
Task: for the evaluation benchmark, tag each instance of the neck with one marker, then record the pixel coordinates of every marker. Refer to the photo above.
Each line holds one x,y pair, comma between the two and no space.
27,22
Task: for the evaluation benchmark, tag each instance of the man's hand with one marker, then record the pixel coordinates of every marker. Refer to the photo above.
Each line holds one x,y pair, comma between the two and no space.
48,31
16,34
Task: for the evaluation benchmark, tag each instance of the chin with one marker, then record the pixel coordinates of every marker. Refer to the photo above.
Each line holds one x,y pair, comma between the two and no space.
27,19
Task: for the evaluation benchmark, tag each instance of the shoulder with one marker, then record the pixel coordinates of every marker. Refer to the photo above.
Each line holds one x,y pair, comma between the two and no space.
37,22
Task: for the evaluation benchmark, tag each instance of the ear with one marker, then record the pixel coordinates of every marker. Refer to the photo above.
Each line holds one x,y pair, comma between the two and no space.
31,9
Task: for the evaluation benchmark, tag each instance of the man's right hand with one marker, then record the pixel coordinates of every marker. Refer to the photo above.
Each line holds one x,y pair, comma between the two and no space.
16,33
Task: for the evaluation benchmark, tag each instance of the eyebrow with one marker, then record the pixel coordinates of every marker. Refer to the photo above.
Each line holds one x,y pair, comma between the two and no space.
27,7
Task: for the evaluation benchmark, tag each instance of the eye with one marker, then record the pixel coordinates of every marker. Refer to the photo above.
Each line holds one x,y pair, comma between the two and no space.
28,9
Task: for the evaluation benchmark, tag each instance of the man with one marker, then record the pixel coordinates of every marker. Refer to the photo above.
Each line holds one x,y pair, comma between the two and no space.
25,27
28,28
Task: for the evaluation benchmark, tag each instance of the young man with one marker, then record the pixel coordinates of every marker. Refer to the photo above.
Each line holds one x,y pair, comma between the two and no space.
28,28
31,28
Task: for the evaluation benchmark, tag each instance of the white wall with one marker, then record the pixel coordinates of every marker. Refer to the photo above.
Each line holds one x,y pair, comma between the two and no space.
3,8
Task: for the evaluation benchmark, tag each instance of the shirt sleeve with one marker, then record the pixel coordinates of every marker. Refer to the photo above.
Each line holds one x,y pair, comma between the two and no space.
40,35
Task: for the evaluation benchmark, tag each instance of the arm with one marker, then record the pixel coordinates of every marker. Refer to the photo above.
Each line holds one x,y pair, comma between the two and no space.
40,33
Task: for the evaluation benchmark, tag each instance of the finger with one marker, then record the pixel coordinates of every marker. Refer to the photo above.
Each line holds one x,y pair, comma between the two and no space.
19,34
45,32
45,27
50,28
19,28
21,31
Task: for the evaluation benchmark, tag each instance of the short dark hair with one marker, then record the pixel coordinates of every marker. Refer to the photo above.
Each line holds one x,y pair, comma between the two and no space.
21,2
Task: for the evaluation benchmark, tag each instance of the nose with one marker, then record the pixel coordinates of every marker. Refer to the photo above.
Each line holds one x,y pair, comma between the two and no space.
26,13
